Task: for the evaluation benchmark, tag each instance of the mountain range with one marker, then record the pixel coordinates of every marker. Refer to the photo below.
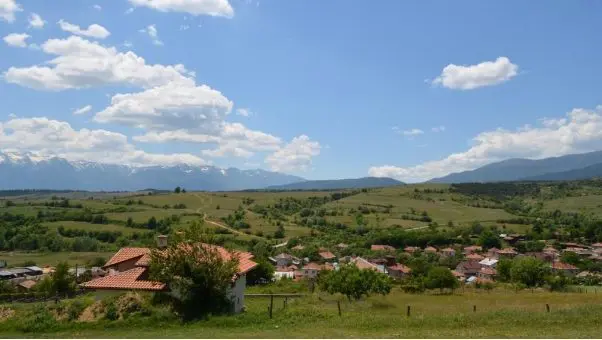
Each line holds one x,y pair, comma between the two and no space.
23,171
349,183
569,167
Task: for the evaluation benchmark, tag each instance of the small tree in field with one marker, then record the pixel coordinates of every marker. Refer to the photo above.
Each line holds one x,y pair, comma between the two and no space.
441,277
177,190
528,271
355,283
197,274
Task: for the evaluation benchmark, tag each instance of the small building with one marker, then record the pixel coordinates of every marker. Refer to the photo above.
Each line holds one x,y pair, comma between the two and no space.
475,257
284,260
362,263
472,249
565,268
399,271
488,262
5,275
507,252
448,252
493,253
411,250
597,245
25,286
430,250
458,275
381,247
468,268
487,273
327,256
542,256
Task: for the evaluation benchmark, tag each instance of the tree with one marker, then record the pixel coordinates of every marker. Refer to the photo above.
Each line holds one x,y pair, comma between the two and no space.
355,283
504,266
528,271
279,233
558,282
489,240
62,281
129,223
177,190
441,277
263,273
152,223
196,273
183,190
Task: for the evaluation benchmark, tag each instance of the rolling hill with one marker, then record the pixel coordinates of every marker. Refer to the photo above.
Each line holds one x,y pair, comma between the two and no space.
583,173
520,169
350,183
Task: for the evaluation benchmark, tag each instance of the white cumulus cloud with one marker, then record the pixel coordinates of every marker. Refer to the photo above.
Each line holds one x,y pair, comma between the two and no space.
83,110
295,156
440,128
97,7
580,131
81,63
36,21
152,32
221,8
8,9
93,31
487,73
16,39
244,112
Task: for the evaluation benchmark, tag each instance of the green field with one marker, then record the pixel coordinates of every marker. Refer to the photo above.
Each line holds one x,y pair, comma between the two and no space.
500,313
51,259
90,226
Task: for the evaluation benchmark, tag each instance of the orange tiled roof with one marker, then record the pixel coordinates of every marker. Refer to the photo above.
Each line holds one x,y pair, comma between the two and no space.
312,266
507,251
362,263
125,254
144,261
400,267
380,247
448,250
326,255
475,257
488,271
125,280
430,249
563,266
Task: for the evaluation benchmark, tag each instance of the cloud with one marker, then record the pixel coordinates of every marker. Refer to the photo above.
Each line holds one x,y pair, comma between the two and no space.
93,31
16,39
580,131
151,30
244,112
408,133
220,8
83,110
36,21
436,129
8,9
184,27
169,107
488,73
81,63
129,11
295,156
97,7
48,138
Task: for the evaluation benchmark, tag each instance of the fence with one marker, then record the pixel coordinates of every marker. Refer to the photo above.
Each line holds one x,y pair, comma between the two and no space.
37,297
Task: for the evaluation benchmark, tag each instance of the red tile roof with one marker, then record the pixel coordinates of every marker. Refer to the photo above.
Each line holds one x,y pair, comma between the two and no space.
125,280
381,247
597,245
144,261
326,255
562,266
473,248
362,263
457,273
430,249
410,249
125,254
488,271
507,251
448,250
312,266
476,257
27,284
400,267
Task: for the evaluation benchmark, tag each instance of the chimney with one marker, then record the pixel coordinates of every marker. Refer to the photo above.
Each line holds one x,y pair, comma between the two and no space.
162,241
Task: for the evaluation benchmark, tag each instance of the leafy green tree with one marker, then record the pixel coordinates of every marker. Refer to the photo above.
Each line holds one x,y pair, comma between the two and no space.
263,273
489,240
558,282
62,281
528,271
355,283
177,190
441,278
571,258
129,223
197,275
504,267
152,223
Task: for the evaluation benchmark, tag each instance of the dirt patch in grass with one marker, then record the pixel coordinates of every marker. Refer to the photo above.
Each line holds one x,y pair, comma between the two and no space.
6,313
92,313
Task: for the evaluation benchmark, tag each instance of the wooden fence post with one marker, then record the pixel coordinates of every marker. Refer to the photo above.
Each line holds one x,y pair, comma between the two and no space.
408,311
271,305
339,306
474,308
285,301
547,307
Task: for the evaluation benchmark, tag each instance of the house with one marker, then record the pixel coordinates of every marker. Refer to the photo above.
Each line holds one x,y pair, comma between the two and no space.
311,270
487,273
399,271
5,275
284,260
507,252
493,253
362,263
597,246
26,285
472,249
513,238
474,257
327,256
550,250
128,270
468,268
448,252
565,268
430,250
411,250
489,262
458,275
381,247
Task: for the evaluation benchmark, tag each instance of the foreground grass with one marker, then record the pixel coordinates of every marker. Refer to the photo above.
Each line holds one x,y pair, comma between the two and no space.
499,314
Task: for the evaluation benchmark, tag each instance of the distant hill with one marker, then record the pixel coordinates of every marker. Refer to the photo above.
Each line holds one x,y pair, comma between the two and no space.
351,183
583,173
519,169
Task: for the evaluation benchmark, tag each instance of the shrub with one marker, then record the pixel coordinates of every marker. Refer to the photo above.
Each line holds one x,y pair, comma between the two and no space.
39,320
111,312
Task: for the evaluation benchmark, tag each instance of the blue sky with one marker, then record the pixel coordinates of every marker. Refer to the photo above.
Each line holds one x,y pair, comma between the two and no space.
321,89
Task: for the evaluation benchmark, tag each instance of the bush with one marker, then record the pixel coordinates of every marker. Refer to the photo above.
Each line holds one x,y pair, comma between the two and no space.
75,309
39,320
111,312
